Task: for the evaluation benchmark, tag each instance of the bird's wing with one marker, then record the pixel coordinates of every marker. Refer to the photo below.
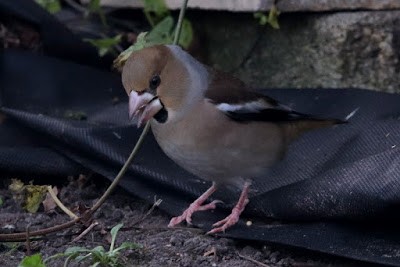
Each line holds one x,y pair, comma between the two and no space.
232,97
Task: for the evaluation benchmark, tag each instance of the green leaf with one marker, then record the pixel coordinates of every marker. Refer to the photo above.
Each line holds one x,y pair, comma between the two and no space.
162,33
1,201
114,232
32,261
80,258
73,250
127,245
155,11
262,18
104,45
34,195
186,36
273,17
52,6
138,45
99,249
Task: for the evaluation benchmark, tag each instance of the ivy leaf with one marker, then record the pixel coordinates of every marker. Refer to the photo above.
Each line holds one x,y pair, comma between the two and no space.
138,45
162,32
155,11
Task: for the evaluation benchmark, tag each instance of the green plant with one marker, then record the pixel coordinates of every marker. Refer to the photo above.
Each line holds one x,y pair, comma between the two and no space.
155,11
34,260
105,45
163,24
162,32
98,256
271,19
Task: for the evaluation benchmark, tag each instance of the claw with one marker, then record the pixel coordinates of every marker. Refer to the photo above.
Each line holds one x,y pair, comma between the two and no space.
233,218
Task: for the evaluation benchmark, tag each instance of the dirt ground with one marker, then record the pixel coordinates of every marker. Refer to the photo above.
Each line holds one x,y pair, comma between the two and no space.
160,246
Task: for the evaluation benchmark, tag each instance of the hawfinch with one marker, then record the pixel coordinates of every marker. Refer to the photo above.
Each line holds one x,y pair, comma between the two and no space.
209,123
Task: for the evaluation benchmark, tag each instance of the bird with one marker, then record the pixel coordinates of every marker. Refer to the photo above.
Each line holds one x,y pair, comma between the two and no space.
210,123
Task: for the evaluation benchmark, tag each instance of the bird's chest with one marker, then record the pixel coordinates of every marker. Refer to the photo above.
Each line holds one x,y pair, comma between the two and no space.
189,148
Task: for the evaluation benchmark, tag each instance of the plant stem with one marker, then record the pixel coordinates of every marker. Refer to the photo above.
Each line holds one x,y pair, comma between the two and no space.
122,171
60,204
180,22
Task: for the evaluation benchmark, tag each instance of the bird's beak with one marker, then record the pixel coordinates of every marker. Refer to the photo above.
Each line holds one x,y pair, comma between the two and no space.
142,107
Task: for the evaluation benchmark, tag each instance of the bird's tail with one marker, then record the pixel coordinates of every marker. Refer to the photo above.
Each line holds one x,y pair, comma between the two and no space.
296,128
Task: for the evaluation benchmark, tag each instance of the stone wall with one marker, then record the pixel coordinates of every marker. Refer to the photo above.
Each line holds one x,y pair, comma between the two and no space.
335,50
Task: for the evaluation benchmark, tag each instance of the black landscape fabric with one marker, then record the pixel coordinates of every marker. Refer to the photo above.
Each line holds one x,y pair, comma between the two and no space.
337,191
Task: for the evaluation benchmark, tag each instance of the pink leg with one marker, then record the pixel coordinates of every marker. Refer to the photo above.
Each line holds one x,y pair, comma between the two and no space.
197,205
233,218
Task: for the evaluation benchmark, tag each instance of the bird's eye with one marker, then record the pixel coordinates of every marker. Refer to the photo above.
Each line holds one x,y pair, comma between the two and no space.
154,82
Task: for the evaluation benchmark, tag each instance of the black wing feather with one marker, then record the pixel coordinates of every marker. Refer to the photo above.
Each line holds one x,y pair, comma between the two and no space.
270,115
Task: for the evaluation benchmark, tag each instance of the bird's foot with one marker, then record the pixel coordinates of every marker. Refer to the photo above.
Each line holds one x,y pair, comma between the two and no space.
187,214
233,218
229,221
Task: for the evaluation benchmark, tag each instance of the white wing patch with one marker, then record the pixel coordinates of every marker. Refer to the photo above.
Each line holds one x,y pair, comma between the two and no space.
253,106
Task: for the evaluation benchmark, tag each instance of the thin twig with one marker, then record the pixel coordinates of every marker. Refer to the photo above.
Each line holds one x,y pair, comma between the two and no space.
28,241
60,204
156,204
163,228
253,260
180,22
45,231
122,171
87,230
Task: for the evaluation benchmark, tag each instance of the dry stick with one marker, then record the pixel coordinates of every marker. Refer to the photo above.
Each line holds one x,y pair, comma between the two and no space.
21,236
121,172
28,242
87,230
156,204
60,204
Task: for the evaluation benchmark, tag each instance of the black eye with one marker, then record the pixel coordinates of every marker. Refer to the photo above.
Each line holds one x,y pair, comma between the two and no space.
154,82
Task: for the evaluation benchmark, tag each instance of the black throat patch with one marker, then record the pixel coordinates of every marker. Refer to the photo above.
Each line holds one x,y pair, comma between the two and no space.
161,116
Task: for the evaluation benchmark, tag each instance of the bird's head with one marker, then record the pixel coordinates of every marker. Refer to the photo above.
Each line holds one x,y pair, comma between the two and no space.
157,81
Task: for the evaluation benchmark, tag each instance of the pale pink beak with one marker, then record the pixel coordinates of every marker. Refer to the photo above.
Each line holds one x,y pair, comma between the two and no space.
142,107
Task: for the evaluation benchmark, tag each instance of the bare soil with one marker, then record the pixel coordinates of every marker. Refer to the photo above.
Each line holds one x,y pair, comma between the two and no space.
160,246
